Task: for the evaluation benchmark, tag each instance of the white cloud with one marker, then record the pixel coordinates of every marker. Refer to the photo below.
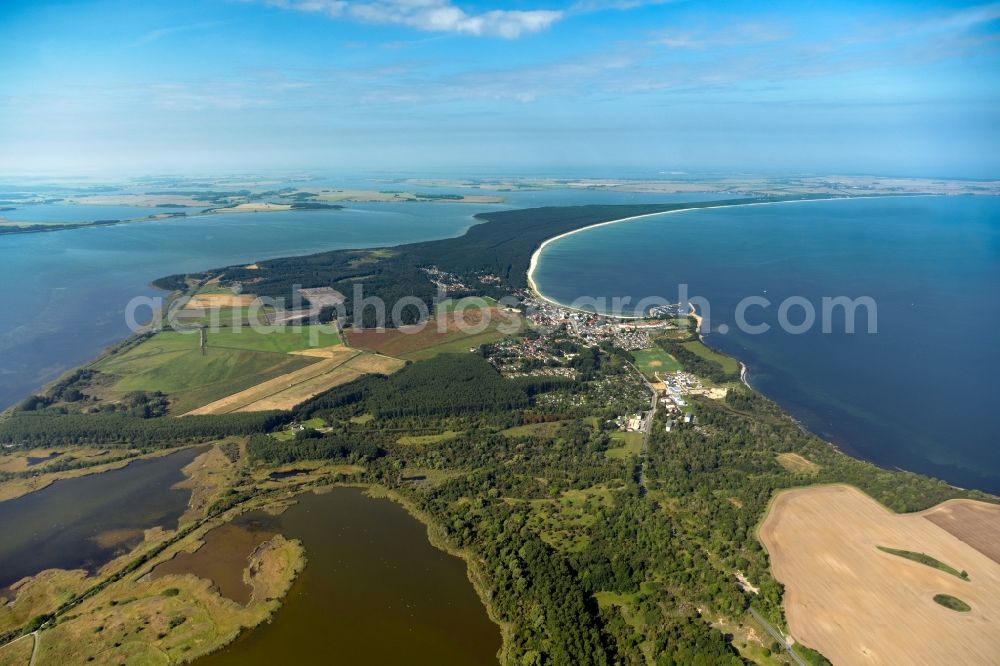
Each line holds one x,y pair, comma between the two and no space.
431,16
583,6
155,35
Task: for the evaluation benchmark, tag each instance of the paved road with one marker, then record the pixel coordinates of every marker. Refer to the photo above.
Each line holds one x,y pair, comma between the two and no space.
776,635
647,428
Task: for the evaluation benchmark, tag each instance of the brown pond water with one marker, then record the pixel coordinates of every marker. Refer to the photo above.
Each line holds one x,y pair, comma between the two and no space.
83,523
374,591
223,557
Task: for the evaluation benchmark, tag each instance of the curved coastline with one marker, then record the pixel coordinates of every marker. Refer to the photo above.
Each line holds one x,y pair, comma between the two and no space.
536,255
744,368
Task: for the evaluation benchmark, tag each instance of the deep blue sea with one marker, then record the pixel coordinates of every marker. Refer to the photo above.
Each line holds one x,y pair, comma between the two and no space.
920,394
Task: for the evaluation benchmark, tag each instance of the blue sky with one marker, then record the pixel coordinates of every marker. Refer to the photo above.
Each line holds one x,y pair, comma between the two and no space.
557,86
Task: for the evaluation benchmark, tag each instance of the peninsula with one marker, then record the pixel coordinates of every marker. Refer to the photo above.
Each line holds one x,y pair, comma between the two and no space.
603,480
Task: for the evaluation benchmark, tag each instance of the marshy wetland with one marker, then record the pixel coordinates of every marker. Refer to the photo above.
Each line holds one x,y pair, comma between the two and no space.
84,522
365,574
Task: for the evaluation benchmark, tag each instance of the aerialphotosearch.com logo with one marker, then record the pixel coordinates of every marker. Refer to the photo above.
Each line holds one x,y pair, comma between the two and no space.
472,315
795,314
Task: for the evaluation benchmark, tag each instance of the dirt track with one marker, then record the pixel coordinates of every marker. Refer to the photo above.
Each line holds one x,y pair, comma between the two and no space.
858,605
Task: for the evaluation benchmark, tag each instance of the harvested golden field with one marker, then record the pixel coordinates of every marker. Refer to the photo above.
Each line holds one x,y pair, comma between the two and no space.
376,363
288,390
859,605
208,301
333,351
975,523
243,399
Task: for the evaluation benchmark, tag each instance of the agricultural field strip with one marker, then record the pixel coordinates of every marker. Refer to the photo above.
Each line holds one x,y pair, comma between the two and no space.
274,386
294,394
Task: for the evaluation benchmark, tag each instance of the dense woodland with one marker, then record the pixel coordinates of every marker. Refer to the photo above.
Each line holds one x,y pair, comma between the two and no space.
451,384
28,429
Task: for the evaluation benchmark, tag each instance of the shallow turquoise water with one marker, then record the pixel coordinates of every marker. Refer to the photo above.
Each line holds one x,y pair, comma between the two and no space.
919,394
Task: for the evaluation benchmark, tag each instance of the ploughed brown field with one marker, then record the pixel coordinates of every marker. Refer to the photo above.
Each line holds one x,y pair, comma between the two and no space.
859,605
975,523
447,333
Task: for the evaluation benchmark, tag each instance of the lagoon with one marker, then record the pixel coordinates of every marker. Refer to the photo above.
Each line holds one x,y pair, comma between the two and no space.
374,591
84,522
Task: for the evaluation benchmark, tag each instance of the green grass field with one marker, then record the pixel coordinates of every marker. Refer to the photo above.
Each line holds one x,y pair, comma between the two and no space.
530,429
281,339
631,445
650,361
729,364
421,440
174,363
226,316
472,303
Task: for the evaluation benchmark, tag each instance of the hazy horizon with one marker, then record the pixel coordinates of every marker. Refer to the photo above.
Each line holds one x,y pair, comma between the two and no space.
557,86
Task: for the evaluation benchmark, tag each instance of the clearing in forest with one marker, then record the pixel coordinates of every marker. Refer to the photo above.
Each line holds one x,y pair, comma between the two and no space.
651,361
